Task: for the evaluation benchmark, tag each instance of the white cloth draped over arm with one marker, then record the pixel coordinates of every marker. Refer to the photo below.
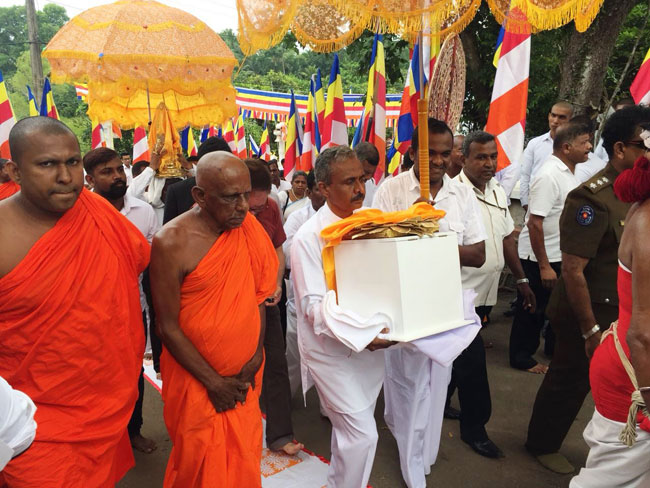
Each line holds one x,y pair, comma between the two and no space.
325,316
140,183
17,425
445,347
154,193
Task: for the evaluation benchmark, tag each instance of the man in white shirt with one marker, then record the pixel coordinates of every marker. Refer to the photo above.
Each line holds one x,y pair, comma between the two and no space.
415,388
539,241
291,226
480,153
126,161
540,148
369,157
457,160
17,425
277,184
348,382
105,173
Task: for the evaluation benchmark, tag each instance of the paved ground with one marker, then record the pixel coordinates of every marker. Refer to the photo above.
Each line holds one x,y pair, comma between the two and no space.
513,393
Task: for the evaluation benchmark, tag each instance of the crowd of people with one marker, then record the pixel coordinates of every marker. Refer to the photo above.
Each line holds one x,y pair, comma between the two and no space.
221,276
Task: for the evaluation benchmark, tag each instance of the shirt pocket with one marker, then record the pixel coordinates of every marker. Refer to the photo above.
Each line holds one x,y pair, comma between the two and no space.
459,229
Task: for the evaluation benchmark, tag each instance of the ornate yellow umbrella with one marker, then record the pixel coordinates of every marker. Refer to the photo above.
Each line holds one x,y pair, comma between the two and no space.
329,25
135,54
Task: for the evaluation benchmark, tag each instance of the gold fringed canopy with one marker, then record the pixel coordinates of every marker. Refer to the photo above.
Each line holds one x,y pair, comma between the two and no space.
128,48
329,25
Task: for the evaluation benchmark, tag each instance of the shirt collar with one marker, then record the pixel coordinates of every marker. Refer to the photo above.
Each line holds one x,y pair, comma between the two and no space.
127,205
558,162
489,186
414,185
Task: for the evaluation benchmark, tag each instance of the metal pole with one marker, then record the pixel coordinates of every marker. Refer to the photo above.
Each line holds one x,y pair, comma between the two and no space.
34,51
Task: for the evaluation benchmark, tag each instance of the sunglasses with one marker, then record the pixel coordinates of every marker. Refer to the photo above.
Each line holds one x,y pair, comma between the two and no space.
639,144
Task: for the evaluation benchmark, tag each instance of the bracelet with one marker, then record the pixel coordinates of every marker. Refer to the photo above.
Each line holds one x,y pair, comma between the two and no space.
522,280
644,389
590,332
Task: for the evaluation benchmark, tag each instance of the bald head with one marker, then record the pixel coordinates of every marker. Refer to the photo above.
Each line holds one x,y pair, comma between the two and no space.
21,132
222,188
4,177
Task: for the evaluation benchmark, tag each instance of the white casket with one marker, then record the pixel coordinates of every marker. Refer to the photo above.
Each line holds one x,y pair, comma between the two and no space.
414,280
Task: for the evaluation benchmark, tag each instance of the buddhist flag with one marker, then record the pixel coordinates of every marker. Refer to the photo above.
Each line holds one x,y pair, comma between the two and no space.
255,150
309,149
31,100
378,101
82,91
265,145
335,127
96,136
229,136
7,119
430,50
187,141
140,145
407,118
507,116
48,108
497,49
640,88
319,108
240,137
294,141
116,131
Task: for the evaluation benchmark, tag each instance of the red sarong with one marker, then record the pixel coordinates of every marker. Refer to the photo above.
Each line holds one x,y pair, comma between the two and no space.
9,188
71,338
219,314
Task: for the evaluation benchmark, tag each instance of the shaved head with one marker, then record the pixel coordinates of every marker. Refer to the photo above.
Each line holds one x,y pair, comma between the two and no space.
223,185
24,128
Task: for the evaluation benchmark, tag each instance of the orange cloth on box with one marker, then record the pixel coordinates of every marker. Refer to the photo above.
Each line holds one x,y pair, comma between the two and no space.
71,338
220,316
334,234
9,188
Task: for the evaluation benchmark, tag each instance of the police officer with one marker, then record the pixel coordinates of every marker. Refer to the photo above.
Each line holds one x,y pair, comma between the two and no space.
585,300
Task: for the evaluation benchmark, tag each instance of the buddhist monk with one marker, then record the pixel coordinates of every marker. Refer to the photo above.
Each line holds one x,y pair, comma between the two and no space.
7,186
70,319
212,269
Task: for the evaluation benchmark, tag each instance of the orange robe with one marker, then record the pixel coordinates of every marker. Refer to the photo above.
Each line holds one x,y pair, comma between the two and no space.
7,189
219,314
71,338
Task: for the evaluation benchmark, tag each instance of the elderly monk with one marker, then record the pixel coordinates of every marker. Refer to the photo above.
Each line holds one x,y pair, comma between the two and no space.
212,269
7,186
70,319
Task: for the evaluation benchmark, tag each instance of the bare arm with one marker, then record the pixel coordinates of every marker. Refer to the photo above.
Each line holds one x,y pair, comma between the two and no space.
536,230
512,260
166,280
278,289
638,335
578,294
472,256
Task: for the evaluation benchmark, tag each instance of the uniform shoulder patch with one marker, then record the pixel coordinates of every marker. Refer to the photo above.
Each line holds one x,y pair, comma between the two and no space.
585,215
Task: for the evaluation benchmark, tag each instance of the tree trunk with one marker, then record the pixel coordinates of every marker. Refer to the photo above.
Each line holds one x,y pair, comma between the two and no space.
586,56
476,85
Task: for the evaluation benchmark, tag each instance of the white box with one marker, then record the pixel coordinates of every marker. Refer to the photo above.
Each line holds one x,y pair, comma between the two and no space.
415,281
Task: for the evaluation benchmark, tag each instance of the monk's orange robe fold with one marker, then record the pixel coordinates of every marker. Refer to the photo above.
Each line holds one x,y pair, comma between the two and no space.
71,338
219,314
7,189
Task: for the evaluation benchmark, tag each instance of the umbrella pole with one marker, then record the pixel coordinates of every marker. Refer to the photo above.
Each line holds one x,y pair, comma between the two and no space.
423,133
148,104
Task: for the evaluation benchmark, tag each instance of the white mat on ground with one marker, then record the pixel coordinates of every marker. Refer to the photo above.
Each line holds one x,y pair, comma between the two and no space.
305,470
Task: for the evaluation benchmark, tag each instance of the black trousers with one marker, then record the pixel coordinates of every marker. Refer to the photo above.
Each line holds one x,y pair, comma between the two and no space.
566,384
156,343
526,327
275,399
469,375
135,424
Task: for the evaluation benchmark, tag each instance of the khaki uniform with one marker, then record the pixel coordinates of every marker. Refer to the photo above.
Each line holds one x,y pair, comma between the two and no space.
591,227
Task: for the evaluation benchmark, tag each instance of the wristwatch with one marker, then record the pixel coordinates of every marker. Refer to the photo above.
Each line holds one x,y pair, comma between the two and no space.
590,332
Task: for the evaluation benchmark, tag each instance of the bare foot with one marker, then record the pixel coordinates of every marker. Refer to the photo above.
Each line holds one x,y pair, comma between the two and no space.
143,444
291,448
539,368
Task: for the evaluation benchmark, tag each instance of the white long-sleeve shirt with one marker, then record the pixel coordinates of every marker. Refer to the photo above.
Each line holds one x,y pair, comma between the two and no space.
536,153
291,227
348,381
139,184
17,425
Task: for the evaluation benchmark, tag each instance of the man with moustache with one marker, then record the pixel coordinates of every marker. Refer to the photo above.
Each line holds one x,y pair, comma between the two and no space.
212,269
416,387
457,160
105,174
70,315
539,242
348,382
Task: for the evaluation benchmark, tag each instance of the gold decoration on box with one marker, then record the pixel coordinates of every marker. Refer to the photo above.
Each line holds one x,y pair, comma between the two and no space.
329,25
416,226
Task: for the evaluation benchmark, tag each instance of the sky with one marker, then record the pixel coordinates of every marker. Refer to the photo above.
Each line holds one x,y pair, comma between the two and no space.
218,14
